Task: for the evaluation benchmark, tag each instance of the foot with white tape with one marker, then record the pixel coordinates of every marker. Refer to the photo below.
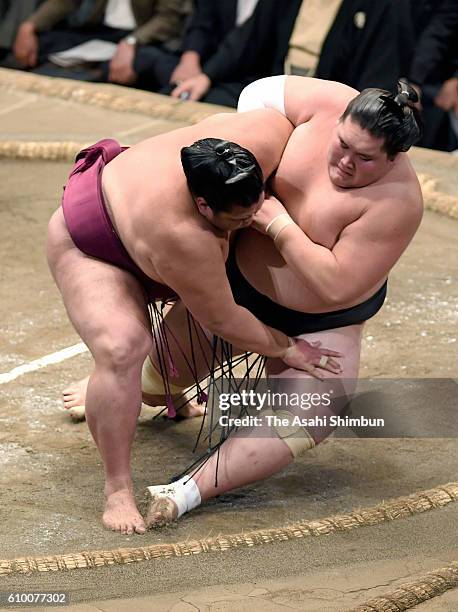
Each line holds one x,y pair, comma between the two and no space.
166,503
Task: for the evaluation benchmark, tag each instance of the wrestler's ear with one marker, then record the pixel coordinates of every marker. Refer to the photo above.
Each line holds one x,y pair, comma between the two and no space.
203,207
393,158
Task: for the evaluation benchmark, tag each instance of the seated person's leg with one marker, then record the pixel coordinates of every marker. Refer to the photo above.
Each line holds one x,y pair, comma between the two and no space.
66,38
154,67
59,40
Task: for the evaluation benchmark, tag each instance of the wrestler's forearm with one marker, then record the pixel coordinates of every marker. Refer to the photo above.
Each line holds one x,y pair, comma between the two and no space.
246,332
315,265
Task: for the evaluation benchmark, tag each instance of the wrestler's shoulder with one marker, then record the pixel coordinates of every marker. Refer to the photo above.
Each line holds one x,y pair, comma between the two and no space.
399,200
261,115
187,249
403,186
191,237
306,98
320,87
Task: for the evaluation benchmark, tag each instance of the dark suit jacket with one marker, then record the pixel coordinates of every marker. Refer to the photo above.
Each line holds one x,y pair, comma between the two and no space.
435,58
158,20
375,55
231,53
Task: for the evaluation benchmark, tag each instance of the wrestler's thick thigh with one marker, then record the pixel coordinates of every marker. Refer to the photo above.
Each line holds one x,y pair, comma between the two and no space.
345,340
106,305
331,394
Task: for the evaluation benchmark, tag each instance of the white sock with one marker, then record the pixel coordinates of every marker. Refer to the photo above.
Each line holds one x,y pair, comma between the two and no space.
184,492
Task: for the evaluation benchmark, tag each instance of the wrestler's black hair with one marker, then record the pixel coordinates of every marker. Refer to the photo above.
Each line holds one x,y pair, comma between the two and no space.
389,116
223,173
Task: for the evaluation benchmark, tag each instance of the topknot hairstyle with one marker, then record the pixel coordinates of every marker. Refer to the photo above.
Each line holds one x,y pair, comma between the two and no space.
390,116
223,173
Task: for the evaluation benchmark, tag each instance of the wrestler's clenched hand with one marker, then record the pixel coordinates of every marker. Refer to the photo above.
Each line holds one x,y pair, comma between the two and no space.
271,208
303,355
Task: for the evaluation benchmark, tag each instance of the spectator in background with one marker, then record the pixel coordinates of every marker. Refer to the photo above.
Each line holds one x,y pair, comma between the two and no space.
12,14
221,54
434,70
129,23
358,42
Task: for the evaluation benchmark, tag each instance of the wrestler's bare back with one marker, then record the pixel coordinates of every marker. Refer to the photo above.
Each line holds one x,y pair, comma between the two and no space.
325,212
147,195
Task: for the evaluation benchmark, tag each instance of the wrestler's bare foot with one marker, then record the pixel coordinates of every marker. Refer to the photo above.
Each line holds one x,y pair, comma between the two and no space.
160,511
190,410
75,399
121,513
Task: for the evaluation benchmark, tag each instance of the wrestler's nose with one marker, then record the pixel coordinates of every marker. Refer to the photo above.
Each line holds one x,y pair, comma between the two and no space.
347,161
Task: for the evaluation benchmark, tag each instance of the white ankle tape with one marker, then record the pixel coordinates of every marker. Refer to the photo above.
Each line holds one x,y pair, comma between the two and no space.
183,492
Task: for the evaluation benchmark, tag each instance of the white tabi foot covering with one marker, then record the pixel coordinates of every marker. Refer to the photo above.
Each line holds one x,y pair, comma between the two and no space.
77,413
184,493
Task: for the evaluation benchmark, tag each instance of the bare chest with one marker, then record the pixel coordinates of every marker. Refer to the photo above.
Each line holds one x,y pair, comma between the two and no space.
302,184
